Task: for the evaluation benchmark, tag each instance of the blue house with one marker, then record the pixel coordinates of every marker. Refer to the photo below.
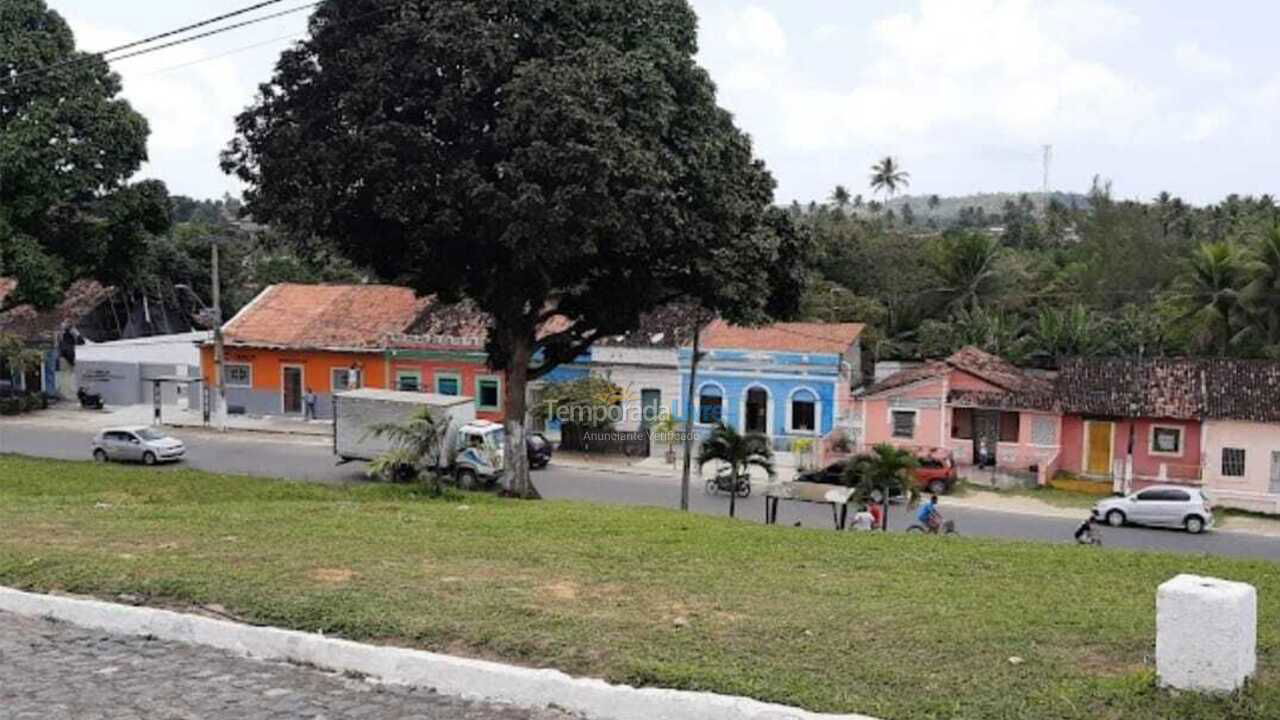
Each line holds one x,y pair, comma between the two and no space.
787,380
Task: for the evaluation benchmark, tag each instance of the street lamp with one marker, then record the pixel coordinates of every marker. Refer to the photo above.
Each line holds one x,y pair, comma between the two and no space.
219,357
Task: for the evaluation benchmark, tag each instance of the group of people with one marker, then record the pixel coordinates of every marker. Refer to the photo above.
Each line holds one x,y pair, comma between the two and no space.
871,516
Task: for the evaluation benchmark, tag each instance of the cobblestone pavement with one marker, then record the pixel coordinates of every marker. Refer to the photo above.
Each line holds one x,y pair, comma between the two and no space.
55,671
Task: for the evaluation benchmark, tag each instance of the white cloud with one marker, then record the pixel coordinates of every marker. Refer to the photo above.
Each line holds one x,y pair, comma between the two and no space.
756,31
995,67
1192,58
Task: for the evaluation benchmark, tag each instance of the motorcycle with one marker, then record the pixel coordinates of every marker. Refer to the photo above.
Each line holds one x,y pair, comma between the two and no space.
723,483
88,400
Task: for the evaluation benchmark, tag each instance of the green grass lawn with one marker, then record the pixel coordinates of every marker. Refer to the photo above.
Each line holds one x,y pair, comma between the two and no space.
892,626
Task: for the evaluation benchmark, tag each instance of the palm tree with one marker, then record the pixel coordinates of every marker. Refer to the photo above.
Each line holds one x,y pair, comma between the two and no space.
887,177
416,445
882,474
1261,296
965,265
840,196
857,201
740,452
1210,292
934,202
1058,333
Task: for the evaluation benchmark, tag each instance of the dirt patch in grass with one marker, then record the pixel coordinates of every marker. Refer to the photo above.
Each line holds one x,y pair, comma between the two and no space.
332,576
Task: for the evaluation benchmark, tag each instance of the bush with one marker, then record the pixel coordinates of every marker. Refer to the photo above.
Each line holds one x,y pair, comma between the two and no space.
18,404
10,405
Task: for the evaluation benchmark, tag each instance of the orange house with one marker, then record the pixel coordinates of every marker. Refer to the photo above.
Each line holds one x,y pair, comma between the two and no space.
325,338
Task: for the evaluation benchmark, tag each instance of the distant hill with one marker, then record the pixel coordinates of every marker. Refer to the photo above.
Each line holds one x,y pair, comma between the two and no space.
949,207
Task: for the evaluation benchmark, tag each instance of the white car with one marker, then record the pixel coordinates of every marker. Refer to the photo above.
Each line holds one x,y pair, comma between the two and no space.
1163,505
146,445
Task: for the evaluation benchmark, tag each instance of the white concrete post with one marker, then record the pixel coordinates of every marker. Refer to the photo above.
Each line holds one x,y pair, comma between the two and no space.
1206,633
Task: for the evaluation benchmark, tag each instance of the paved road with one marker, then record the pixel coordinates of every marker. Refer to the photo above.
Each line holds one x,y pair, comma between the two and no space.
312,459
54,671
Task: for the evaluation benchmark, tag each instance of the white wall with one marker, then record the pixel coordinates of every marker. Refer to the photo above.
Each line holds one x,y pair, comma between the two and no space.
636,369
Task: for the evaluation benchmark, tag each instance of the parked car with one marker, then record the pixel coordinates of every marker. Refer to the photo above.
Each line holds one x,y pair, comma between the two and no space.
935,473
1161,505
146,445
539,450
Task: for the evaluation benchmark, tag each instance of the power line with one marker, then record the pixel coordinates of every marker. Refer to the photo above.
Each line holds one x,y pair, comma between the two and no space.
211,33
103,53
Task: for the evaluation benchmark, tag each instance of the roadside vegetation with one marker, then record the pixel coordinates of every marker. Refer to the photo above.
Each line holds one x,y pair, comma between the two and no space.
898,627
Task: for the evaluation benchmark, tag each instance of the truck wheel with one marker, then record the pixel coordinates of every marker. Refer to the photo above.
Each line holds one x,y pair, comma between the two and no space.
466,479
405,473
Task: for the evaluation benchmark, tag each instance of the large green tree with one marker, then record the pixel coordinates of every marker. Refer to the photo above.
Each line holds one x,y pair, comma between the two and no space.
68,143
549,159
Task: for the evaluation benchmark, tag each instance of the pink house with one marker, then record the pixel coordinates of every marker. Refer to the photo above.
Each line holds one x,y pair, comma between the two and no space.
983,409
1134,422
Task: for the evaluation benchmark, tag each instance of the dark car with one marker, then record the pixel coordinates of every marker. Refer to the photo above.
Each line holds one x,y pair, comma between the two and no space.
935,472
539,450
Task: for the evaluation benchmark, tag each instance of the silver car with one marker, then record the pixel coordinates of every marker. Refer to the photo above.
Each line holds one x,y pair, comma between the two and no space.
1163,505
146,445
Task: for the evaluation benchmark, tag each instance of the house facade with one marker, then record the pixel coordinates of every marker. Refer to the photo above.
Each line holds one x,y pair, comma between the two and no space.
787,381
291,338
1242,434
982,409
1134,422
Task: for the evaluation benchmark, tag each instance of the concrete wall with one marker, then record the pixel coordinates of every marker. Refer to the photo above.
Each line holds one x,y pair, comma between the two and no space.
119,383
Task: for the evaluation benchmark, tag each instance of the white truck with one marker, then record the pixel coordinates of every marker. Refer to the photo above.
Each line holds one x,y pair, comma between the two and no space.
471,450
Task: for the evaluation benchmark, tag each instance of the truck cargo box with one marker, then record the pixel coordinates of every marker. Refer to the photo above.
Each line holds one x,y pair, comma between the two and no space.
357,412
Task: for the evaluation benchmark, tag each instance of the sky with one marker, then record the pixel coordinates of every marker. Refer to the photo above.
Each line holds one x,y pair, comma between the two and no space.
1176,95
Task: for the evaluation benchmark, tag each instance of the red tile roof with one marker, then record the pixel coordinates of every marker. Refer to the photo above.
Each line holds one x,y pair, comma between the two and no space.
783,337
324,316
1182,388
1017,388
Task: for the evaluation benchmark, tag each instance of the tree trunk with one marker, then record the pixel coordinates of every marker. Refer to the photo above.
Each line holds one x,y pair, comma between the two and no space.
516,477
688,419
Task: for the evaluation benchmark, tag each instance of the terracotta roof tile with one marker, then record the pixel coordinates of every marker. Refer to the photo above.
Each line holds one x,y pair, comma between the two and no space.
782,337
1183,388
323,316
670,326
1019,387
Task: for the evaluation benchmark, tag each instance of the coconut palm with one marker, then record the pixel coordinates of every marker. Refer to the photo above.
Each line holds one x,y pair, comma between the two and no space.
740,452
857,201
887,177
840,196
965,263
934,202
1261,296
884,473
415,448
1210,293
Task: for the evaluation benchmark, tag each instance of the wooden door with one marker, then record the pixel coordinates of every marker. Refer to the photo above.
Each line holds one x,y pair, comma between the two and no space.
292,389
1099,459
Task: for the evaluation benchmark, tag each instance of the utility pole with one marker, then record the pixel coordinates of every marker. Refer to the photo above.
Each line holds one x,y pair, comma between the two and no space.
1048,158
688,415
220,400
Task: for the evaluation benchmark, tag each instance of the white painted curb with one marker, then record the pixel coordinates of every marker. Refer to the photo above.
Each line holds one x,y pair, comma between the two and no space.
461,677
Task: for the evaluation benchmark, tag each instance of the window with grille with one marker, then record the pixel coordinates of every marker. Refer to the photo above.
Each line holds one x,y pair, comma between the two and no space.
1233,462
238,375
803,415
904,424
710,405
1166,440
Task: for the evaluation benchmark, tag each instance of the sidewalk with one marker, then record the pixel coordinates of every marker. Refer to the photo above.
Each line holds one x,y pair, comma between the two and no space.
72,416
658,467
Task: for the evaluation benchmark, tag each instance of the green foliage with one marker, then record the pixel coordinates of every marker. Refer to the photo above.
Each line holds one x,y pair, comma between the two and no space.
888,177
416,446
588,402
739,451
68,143
17,356
883,473
966,264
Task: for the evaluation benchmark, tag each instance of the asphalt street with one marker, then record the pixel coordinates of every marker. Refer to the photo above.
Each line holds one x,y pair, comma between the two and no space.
311,459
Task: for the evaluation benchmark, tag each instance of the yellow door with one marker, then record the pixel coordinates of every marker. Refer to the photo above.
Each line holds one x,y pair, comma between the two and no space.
1099,461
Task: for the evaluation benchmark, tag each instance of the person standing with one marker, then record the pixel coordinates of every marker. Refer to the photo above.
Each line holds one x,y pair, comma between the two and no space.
309,405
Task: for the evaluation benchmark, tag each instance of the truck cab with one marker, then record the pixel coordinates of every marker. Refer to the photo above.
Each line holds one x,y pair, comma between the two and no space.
478,453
